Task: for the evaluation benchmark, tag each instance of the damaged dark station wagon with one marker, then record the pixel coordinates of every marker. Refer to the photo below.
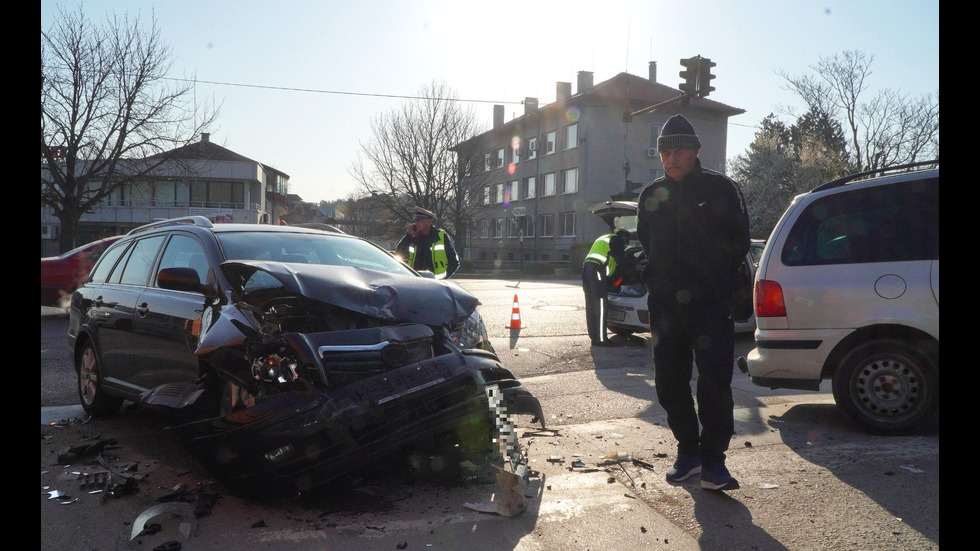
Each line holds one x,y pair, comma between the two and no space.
294,355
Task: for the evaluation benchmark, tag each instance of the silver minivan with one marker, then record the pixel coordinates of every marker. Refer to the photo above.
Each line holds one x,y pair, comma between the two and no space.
847,290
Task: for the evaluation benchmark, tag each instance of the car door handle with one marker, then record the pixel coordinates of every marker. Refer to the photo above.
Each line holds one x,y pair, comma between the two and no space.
143,310
99,303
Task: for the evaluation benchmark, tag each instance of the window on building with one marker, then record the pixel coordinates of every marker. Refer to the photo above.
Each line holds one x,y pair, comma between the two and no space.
548,185
484,229
218,194
498,227
566,224
547,225
527,224
510,192
569,180
532,148
486,195
498,193
549,142
487,162
571,136
499,160
529,184
165,193
515,150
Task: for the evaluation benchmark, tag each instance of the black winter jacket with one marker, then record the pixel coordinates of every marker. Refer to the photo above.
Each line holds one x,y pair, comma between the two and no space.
695,235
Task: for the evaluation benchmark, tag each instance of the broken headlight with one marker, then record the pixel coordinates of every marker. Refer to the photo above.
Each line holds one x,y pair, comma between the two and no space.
274,369
472,333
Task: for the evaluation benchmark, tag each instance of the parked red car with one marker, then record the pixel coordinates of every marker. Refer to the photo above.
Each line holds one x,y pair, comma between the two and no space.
60,275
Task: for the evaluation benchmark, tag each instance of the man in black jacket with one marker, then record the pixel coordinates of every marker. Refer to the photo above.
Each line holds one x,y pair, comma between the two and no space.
694,228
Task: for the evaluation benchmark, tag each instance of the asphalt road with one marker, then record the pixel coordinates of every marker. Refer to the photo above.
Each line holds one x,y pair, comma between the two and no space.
810,478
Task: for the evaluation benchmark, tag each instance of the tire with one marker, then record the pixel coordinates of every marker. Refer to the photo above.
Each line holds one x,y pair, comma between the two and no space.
887,387
622,331
93,397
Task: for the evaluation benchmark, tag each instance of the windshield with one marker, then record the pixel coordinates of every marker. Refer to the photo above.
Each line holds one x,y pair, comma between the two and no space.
309,248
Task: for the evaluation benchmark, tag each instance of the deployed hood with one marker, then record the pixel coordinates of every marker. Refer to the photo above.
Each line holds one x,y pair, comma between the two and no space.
378,294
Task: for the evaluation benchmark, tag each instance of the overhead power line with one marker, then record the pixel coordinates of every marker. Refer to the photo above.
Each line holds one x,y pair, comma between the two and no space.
311,90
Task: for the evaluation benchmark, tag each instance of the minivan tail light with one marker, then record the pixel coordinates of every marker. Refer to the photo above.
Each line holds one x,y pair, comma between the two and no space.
769,299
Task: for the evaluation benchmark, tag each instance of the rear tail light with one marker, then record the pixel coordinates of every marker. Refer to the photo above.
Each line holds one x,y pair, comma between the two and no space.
769,299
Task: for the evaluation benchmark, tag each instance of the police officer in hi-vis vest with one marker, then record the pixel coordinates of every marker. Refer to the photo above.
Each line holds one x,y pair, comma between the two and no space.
427,248
599,273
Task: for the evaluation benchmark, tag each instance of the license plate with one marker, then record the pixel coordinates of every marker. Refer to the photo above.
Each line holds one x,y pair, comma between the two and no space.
616,315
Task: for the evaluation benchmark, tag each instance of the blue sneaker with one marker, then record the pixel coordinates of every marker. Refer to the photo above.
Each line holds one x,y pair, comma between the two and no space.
685,467
716,477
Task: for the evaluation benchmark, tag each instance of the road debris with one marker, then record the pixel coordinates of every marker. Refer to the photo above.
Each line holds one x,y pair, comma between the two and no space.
186,525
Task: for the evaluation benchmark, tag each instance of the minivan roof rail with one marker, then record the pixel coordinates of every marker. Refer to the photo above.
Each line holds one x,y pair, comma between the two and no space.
185,221
876,172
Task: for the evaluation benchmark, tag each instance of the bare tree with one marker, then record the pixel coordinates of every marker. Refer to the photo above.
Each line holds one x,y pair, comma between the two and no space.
890,129
108,115
411,162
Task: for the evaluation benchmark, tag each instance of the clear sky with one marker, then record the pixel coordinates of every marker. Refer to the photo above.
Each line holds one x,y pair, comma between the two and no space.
300,81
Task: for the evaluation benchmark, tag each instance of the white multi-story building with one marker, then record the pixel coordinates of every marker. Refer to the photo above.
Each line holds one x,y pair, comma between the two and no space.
213,181
543,170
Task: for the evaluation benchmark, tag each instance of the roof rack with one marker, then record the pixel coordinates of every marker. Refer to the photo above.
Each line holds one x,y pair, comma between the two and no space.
186,221
878,171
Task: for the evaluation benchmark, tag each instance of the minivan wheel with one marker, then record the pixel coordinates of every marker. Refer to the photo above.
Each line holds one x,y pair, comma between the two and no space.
90,392
887,387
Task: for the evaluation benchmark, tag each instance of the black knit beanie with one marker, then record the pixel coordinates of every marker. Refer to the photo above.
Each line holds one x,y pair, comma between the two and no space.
677,133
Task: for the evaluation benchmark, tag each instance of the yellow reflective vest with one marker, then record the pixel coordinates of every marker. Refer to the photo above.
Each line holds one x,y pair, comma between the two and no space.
599,253
440,260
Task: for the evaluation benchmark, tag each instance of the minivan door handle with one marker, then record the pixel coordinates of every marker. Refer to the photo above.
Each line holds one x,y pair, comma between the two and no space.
143,310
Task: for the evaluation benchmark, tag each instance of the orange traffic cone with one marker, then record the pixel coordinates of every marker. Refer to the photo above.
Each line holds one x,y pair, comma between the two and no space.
515,316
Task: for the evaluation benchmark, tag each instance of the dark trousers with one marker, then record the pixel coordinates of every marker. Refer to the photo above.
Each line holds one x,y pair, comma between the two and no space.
685,336
596,287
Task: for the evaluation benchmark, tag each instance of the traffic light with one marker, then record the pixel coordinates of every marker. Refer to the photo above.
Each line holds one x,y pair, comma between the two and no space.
690,75
704,77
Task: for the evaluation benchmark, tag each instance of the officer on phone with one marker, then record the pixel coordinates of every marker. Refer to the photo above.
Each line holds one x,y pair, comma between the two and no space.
425,247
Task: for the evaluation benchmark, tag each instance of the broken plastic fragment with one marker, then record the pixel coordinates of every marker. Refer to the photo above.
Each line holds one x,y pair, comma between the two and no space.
912,469
767,485
186,527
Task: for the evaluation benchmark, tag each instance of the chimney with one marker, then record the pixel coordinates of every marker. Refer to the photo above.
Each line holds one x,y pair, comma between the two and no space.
530,105
563,90
205,137
653,72
584,81
498,116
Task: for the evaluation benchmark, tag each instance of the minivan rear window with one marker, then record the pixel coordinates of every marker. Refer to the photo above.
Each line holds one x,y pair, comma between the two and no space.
887,223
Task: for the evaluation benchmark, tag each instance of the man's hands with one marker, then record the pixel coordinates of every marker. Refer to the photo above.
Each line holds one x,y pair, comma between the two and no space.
410,229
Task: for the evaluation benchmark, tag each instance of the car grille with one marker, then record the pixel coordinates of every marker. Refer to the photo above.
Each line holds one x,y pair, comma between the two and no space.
349,356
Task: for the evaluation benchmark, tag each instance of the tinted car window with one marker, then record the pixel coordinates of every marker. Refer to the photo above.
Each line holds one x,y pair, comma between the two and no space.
140,261
107,262
889,223
185,252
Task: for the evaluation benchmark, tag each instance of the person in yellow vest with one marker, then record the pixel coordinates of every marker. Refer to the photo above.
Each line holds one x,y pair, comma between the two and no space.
600,271
425,247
